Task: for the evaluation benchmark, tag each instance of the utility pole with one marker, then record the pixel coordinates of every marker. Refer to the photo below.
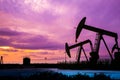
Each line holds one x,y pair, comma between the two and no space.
65,57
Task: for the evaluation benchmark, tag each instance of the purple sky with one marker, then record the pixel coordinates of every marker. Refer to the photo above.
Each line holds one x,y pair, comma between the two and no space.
48,24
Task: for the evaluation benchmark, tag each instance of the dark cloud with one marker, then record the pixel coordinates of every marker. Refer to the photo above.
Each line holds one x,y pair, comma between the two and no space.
57,58
9,50
4,42
46,53
8,32
34,56
27,41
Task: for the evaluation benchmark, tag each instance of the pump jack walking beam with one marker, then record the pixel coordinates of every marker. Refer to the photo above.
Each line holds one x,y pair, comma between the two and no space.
67,47
82,25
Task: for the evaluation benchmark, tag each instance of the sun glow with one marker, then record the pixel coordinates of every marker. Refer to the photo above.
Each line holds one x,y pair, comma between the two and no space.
5,47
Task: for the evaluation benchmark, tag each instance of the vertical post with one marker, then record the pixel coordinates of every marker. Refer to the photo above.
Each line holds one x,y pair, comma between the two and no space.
65,58
107,48
97,42
85,54
45,59
79,55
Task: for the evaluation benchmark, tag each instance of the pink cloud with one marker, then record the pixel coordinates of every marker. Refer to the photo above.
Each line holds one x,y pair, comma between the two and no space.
51,24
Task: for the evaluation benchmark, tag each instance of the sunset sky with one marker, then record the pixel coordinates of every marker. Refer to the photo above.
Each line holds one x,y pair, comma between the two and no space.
39,29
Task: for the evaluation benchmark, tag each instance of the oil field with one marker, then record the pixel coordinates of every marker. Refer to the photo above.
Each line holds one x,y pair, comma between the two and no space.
92,62
59,40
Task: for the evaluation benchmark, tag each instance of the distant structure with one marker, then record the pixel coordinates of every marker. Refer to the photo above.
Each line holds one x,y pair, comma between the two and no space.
45,59
1,60
26,61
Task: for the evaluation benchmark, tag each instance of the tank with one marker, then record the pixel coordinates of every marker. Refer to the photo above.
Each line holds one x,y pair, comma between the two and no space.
26,61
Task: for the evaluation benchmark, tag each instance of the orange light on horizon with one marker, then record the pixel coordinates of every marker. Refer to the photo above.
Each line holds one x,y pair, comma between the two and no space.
5,47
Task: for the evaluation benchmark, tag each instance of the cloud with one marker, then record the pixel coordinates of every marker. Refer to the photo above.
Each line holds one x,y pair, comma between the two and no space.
46,53
27,41
12,6
9,50
37,42
28,24
57,58
30,10
7,32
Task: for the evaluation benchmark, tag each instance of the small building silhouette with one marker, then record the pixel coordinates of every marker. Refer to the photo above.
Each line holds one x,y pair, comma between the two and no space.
26,61
1,60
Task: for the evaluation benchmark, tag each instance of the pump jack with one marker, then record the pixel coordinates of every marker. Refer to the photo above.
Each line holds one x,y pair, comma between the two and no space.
80,45
100,32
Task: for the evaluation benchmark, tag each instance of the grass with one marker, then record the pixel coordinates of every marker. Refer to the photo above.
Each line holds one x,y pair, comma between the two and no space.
100,65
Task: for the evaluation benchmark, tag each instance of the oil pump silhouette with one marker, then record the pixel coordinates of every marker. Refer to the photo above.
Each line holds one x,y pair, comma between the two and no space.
80,45
94,54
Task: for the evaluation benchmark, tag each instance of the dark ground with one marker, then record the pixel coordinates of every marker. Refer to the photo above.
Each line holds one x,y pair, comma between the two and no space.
81,66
